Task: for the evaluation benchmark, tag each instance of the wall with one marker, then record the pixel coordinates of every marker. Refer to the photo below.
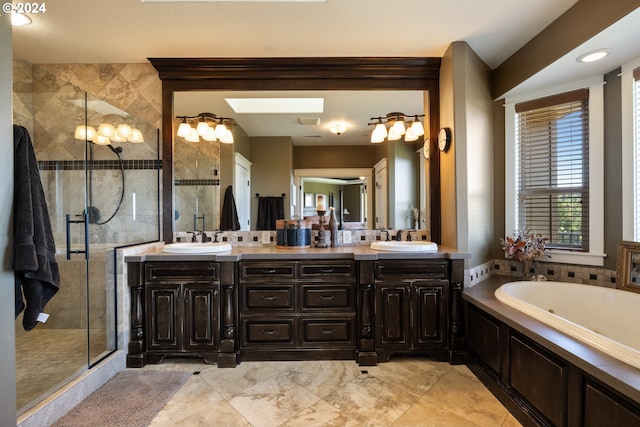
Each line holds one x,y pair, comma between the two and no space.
334,156
272,161
467,168
612,167
7,337
448,187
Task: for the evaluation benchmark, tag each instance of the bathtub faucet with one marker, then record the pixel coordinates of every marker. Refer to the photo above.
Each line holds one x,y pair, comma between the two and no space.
539,278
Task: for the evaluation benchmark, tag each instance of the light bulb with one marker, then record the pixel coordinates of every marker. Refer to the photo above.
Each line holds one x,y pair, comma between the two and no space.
85,133
221,130
101,140
202,128
183,129
117,137
417,127
136,136
124,130
106,129
397,129
379,133
210,135
228,138
192,136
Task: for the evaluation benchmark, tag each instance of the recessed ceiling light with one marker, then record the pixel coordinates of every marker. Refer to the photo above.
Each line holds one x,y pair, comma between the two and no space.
19,19
276,105
594,55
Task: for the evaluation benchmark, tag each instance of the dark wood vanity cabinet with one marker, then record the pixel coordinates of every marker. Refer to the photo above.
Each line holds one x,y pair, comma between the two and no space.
176,311
412,307
297,309
537,385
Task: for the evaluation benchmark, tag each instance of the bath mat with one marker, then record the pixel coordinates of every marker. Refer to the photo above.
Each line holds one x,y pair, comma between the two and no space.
131,398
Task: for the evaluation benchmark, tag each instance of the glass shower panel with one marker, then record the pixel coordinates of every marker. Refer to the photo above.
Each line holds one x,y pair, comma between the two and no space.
55,351
100,195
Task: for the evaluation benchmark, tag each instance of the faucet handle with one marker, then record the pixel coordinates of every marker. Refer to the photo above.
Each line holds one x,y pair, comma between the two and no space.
215,236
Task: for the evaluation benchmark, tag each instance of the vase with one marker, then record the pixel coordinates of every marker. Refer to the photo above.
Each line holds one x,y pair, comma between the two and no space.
526,270
333,227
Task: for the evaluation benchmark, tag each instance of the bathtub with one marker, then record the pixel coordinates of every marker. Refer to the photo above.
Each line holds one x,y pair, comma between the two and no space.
604,318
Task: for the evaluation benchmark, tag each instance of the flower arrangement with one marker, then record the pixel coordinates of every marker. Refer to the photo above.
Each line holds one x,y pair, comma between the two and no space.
524,246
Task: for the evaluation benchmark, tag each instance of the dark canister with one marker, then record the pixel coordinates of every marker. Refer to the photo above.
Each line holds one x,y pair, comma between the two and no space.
293,233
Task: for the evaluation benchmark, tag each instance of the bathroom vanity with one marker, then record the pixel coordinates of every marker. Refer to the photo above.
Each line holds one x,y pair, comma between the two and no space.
266,303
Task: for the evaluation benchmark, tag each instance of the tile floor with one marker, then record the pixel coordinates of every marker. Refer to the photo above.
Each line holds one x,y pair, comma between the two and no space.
401,392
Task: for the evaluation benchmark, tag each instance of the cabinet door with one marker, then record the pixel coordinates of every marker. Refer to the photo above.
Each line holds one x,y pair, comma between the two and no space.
163,319
201,317
392,316
430,314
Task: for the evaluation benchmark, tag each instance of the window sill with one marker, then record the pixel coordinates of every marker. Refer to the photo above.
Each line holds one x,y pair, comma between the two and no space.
568,257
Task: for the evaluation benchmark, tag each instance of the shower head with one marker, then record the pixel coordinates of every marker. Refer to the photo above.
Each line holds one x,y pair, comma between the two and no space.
116,150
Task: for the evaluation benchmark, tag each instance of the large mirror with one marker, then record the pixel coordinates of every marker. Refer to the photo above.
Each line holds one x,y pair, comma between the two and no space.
299,136
373,76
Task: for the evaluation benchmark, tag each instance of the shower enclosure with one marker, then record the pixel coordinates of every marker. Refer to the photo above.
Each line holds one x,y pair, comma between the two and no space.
101,194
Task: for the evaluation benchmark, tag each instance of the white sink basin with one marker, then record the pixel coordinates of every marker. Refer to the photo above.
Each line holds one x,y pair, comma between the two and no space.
196,248
404,246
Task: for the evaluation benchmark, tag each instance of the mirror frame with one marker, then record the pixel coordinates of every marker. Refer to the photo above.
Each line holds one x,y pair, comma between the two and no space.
626,250
327,73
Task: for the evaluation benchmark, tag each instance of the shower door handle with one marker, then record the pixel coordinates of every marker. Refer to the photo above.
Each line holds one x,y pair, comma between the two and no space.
85,221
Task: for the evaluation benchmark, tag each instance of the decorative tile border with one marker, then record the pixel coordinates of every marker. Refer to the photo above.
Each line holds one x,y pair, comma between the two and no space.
558,272
54,165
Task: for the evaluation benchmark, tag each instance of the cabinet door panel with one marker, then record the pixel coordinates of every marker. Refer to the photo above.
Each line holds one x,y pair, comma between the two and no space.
200,320
163,318
393,315
603,409
540,378
431,315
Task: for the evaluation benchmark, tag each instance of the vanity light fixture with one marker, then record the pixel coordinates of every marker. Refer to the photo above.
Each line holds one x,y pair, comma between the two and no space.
107,133
397,127
207,126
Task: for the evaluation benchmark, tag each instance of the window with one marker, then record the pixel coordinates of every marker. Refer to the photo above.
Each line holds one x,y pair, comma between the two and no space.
571,169
552,168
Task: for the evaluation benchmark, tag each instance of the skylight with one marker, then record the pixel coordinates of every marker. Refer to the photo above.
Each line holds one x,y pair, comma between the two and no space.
276,105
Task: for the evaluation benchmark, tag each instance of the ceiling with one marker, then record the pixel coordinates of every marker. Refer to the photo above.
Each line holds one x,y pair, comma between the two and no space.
130,31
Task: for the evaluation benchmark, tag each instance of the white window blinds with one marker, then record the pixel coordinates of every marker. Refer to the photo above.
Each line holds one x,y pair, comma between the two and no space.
552,169
636,151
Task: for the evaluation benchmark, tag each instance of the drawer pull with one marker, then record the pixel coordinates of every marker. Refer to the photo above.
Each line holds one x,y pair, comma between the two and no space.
269,298
327,331
326,271
269,271
327,297
269,332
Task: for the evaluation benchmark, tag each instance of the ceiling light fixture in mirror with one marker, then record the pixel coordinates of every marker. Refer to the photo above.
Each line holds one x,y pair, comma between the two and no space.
208,126
397,127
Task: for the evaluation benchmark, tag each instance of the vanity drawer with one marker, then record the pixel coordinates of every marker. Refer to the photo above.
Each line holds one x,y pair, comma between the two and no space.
264,271
167,272
413,268
280,331
335,331
327,296
327,270
268,297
